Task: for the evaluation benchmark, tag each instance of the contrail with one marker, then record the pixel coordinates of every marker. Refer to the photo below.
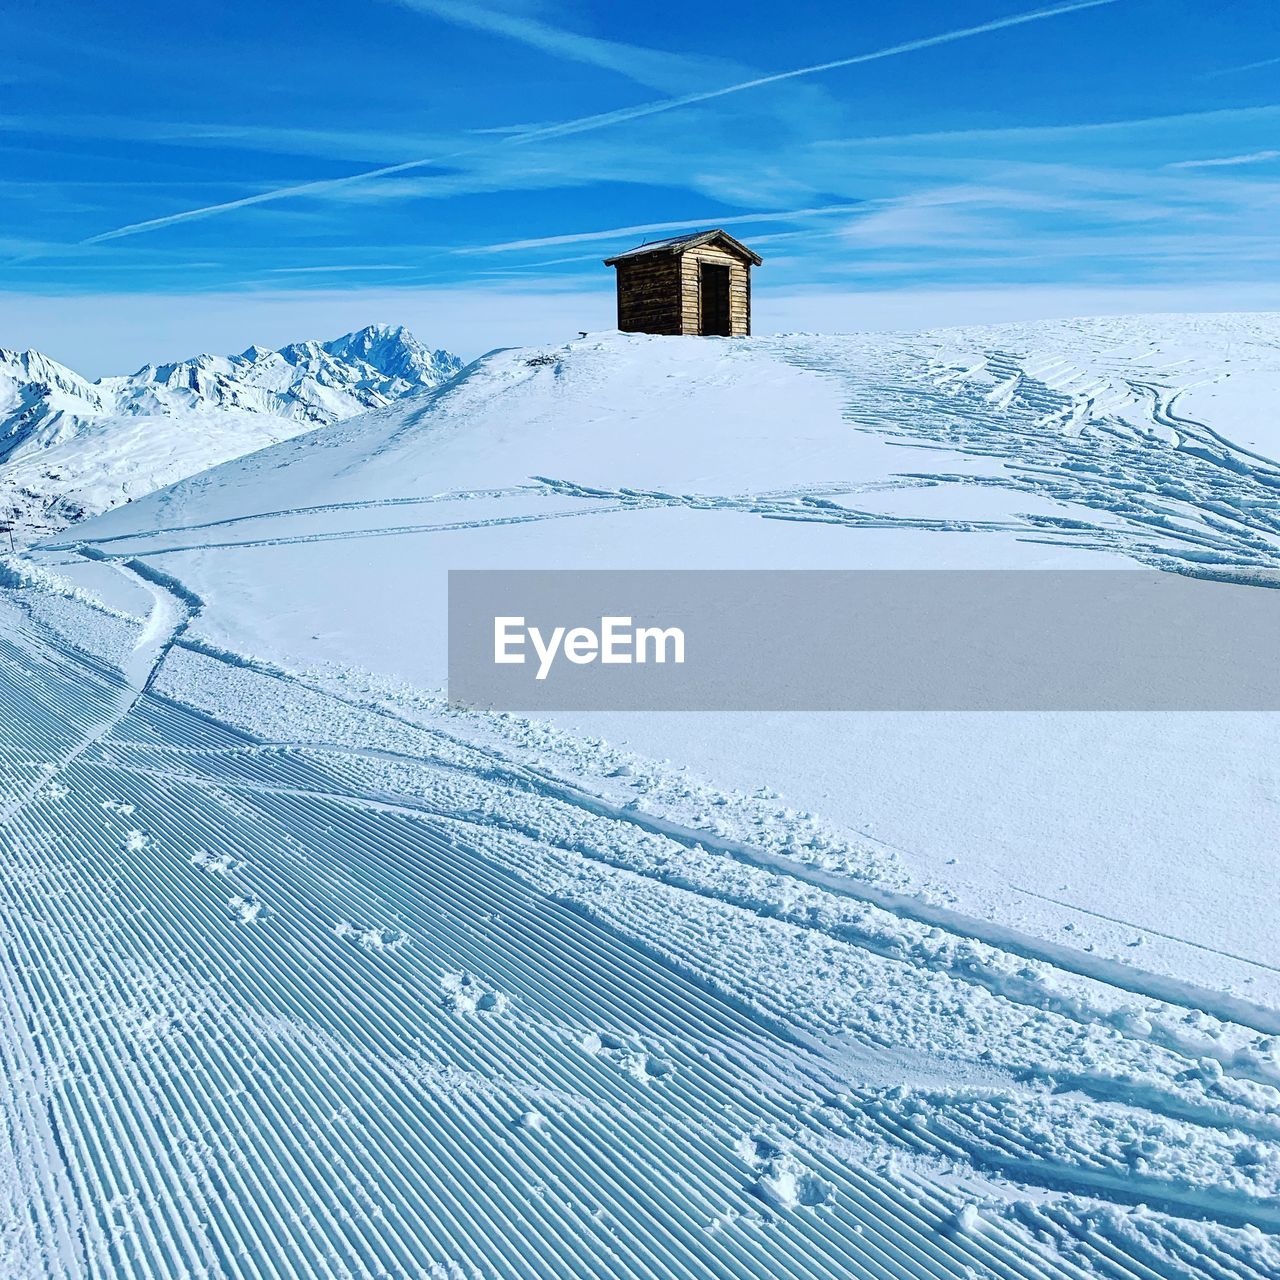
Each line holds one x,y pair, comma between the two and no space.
1244,66
585,124
893,51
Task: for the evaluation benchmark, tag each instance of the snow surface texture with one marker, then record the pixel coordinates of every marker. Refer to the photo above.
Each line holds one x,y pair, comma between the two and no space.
70,448
307,975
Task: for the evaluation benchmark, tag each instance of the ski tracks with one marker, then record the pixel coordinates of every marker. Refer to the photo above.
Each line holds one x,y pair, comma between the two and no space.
395,1005
1168,490
291,987
1082,426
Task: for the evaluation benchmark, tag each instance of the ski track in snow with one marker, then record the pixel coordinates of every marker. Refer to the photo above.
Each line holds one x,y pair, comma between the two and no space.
293,986
281,1011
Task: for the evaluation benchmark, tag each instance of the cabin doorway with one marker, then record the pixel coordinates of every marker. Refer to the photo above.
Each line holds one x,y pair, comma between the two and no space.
713,294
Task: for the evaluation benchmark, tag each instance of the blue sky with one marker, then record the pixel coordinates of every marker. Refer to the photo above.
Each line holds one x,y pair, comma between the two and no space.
1128,146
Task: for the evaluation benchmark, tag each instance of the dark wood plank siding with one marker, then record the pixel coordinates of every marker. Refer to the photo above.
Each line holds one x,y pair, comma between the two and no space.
649,294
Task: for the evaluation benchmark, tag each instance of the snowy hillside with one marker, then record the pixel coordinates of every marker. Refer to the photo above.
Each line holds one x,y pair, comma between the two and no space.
307,973
69,447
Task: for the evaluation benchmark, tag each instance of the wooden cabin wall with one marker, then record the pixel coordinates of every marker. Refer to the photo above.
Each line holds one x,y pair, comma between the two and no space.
739,288
649,294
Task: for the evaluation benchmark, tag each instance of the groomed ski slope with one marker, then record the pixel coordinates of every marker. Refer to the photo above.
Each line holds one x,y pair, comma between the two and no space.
305,974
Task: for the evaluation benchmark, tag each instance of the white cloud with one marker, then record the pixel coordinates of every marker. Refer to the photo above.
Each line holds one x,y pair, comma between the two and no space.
667,72
1034,132
921,222
1243,66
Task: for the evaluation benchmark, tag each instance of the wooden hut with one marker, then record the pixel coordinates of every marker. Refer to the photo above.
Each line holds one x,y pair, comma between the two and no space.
695,284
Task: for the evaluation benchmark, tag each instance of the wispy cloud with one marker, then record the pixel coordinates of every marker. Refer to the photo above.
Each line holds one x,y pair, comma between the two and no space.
671,73
653,228
920,223
1226,162
583,124
345,266
604,119
296,140
540,264
1032,132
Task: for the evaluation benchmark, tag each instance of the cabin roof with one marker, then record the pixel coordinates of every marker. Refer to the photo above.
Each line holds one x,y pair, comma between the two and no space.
679,244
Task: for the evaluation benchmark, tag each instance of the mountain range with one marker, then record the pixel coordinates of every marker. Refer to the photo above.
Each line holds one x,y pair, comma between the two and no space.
71,448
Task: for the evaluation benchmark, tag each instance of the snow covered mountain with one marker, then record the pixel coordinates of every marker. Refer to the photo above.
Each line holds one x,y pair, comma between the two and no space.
69,447
43,402
307,382
347,981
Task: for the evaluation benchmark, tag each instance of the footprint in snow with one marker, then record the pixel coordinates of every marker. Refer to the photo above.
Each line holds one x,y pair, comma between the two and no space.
220,864
631,1059
466,994
246,910
966,1221
781,1178
377,938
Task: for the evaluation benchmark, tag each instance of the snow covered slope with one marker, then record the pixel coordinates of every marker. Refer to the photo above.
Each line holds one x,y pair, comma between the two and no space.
306,973
69,447
1042,446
